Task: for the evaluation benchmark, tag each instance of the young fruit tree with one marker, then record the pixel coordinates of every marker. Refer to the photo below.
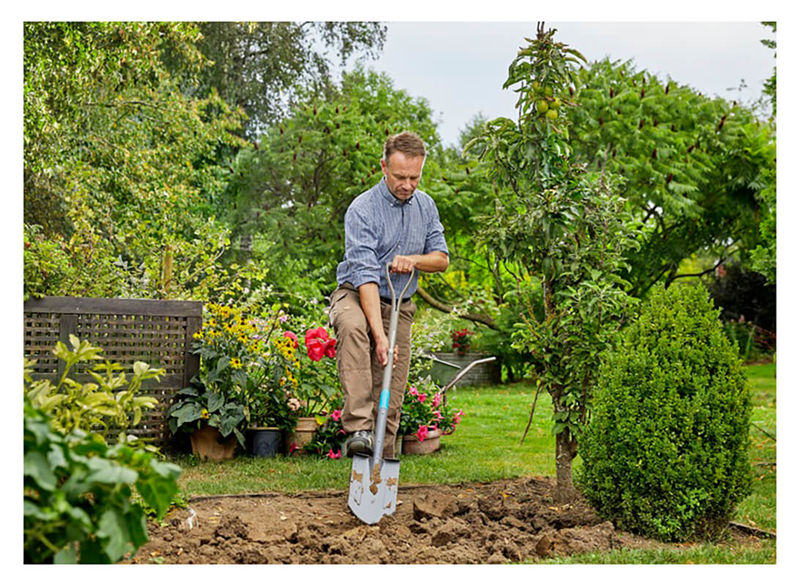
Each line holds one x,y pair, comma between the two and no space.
564,229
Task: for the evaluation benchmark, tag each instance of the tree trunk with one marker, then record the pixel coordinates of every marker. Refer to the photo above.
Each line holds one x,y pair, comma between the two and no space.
566,450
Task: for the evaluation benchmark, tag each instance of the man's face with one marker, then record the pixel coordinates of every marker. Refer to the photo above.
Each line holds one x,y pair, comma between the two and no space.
402,174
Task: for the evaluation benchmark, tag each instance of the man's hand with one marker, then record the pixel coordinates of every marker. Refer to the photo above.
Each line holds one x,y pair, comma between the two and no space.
403,264
382,350
433,262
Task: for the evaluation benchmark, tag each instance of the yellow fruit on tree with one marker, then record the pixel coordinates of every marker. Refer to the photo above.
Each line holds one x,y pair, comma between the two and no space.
552,114
541,106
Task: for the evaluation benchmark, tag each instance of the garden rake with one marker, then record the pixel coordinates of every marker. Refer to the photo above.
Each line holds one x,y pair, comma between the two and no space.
373,479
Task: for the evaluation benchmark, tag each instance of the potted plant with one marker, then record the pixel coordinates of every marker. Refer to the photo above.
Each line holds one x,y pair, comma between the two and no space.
272,408
425,417
214,409
317,382
212,420
461,340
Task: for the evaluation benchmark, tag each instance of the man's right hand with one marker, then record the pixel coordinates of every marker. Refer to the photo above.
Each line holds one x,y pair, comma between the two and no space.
382,350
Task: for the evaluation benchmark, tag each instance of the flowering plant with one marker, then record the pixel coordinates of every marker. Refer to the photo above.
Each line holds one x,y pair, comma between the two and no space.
315,368
243,379
425,408
270,386
461,340
328,438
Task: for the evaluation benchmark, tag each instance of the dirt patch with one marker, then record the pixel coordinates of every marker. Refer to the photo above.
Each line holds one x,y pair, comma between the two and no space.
495,523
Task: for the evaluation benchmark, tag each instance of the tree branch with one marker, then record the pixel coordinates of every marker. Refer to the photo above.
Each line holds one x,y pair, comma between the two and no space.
443,307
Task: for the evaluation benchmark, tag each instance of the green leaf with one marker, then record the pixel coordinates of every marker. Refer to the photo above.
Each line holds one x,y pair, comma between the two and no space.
215,400
113,530
37,467
187,413
158,487
105,471
68,555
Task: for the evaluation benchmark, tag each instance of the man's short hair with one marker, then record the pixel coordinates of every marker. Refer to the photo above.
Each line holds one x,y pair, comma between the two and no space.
407,143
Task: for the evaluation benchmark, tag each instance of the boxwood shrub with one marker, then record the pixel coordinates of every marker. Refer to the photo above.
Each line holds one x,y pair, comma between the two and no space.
665,452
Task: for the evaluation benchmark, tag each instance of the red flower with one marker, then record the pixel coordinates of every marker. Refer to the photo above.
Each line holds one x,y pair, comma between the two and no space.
336,415
293,448
292,336
422,433
319,344
335,455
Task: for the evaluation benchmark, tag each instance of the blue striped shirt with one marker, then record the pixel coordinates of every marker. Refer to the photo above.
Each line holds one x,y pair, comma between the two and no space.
378,226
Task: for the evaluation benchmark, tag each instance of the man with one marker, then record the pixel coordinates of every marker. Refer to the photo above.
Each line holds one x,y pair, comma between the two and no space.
393,222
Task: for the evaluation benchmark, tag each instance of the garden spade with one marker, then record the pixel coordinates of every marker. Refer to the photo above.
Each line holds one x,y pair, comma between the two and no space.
373,479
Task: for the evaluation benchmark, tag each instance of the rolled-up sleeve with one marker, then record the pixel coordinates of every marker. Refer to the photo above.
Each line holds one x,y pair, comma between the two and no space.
361,244
434,239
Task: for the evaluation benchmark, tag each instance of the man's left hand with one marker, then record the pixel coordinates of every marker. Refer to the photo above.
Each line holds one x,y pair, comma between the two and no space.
403,264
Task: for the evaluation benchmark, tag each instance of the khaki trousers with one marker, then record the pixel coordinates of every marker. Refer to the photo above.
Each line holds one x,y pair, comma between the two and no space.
360,372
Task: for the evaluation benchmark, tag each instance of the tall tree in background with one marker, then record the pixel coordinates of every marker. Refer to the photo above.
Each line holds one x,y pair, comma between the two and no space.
121,165
764,257
694,167
287,198
258,66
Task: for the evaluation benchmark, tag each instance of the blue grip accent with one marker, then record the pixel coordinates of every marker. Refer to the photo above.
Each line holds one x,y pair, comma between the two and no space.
384,400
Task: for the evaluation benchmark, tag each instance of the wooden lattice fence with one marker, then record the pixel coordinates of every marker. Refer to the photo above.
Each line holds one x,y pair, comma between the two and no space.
128,330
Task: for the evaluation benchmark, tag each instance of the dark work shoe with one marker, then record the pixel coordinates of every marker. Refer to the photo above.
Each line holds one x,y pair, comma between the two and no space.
360,442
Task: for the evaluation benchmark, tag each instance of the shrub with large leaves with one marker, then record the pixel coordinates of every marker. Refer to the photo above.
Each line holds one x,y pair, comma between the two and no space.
79,494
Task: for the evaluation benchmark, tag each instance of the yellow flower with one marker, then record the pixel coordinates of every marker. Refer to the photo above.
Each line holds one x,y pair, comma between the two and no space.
204,413
197,335
236,363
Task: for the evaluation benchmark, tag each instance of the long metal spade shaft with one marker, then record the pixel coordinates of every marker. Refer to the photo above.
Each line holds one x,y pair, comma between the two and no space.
383,403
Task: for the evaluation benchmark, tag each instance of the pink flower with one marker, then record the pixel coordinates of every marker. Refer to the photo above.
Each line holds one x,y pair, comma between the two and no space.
438,415
335,455
283,318
412,391
293,448
422,397
292,336
437,400
336,415
422,433
457,417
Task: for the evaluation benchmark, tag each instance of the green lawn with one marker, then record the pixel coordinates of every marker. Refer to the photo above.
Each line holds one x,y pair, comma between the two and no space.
486,446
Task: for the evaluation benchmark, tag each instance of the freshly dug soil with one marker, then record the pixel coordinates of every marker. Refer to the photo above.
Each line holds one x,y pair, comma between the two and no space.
490,523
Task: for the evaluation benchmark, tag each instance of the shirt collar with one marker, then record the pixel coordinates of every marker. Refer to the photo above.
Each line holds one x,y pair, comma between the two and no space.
390,197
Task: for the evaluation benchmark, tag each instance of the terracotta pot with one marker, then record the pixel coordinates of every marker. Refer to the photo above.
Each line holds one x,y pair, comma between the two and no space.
208,444
412,445
263,442
303,432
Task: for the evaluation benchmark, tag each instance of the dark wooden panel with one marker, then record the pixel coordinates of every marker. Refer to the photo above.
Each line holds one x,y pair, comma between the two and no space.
114,306
159,333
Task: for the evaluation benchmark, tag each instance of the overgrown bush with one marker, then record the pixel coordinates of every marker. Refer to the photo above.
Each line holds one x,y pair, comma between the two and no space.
665,452
79,503
110,403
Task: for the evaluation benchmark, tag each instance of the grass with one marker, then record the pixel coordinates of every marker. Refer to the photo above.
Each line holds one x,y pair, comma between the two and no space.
487,447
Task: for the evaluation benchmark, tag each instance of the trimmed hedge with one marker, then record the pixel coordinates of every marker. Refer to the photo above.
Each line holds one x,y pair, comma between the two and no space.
665,452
